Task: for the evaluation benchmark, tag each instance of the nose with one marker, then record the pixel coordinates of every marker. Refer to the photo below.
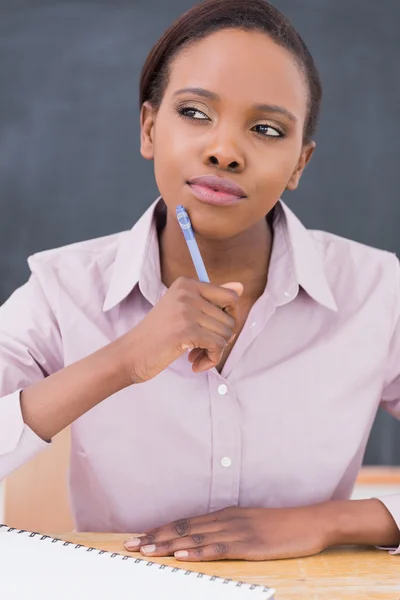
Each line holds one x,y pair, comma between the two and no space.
223,152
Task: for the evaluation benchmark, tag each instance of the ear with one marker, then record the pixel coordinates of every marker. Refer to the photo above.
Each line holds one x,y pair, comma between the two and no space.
147,123
305,158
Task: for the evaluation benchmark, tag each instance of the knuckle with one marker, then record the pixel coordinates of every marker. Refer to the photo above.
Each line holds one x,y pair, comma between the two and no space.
198,538
150,539
180,283
228,332
182,527
220,549
182,297
220,342
187,337
231,296
164,545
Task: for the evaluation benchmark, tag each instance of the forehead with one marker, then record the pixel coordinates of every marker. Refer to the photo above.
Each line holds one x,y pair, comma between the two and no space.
246,67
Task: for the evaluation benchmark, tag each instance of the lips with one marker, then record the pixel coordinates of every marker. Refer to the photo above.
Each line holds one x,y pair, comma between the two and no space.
218,184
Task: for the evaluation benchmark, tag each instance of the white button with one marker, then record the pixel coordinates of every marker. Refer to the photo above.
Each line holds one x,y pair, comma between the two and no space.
226,462
222,389
287,294
253,325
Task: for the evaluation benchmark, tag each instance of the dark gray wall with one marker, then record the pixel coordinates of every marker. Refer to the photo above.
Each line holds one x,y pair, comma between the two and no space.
70,168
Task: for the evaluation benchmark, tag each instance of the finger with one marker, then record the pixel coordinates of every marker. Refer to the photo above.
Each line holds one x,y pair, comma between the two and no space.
233,309
196,540
213,344
223,514
195,354
215,326
203,362
215,312
216,551
183,528
179,528
235,286
222,296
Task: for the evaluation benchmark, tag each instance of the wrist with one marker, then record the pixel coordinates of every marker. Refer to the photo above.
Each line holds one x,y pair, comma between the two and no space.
324,516
365,522
124,353
105,367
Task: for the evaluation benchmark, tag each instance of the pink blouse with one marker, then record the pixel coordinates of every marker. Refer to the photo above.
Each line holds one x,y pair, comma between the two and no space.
284,424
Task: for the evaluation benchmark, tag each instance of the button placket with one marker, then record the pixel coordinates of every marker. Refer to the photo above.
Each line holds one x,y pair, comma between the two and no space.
226,443
259,314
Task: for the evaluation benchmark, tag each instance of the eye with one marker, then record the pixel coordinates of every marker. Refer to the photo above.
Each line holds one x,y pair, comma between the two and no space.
194,114
189,112
268,131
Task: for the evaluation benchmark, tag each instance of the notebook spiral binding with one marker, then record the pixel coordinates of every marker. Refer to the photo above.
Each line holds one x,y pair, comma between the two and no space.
123,557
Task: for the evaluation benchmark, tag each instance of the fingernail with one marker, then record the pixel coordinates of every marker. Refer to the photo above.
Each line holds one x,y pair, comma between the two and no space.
132,544
148,549
181,554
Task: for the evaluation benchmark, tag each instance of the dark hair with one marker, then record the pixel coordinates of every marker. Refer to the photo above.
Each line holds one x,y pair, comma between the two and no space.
213,15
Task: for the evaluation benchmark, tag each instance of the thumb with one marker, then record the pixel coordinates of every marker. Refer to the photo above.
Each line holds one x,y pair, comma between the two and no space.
235,286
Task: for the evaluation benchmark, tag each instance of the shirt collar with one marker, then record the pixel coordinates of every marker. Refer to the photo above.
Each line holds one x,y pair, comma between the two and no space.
137,261
303,254
130,257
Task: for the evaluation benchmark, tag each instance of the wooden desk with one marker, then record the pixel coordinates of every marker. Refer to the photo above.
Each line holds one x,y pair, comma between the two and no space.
336,574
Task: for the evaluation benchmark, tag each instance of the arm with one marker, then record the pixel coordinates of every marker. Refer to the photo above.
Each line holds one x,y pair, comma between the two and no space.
271,533
361,522
31,360
52,397
51,404
390,397
268,533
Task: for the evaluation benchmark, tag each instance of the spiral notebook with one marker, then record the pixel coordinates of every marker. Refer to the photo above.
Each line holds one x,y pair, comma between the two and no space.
35,566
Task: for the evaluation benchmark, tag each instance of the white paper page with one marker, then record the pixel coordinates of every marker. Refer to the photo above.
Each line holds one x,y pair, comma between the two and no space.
33,569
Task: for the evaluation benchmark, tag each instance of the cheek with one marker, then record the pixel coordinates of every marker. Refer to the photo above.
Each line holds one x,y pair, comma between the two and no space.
276,164
172,141
172,149
170,157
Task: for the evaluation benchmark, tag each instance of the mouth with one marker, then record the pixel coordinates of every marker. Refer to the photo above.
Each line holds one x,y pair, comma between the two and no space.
219,191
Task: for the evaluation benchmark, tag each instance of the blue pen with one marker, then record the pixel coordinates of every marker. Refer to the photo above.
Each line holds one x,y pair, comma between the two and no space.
186,226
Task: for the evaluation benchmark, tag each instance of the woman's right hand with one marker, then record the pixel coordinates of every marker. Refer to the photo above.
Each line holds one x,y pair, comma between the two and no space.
195,316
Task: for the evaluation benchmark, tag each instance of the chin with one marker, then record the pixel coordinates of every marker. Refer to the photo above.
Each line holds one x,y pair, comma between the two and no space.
211,228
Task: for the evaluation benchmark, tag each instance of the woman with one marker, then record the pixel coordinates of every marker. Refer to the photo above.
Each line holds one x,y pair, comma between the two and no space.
225,419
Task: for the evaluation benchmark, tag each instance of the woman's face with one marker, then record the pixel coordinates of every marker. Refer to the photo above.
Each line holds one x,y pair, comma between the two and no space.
234,107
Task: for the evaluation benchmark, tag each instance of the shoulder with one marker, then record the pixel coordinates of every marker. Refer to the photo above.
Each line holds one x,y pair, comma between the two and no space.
82,252
79,267
353,268
336,247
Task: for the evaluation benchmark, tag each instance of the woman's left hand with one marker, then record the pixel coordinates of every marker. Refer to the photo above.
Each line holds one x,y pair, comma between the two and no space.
240,533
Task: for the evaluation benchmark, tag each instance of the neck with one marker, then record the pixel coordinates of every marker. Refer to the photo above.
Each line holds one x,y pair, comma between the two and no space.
244,258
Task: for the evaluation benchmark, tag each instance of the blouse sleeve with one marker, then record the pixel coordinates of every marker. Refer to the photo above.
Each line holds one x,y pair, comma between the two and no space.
30,349
391,395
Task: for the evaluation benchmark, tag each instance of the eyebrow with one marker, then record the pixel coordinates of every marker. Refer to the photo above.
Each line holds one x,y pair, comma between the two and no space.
271,108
